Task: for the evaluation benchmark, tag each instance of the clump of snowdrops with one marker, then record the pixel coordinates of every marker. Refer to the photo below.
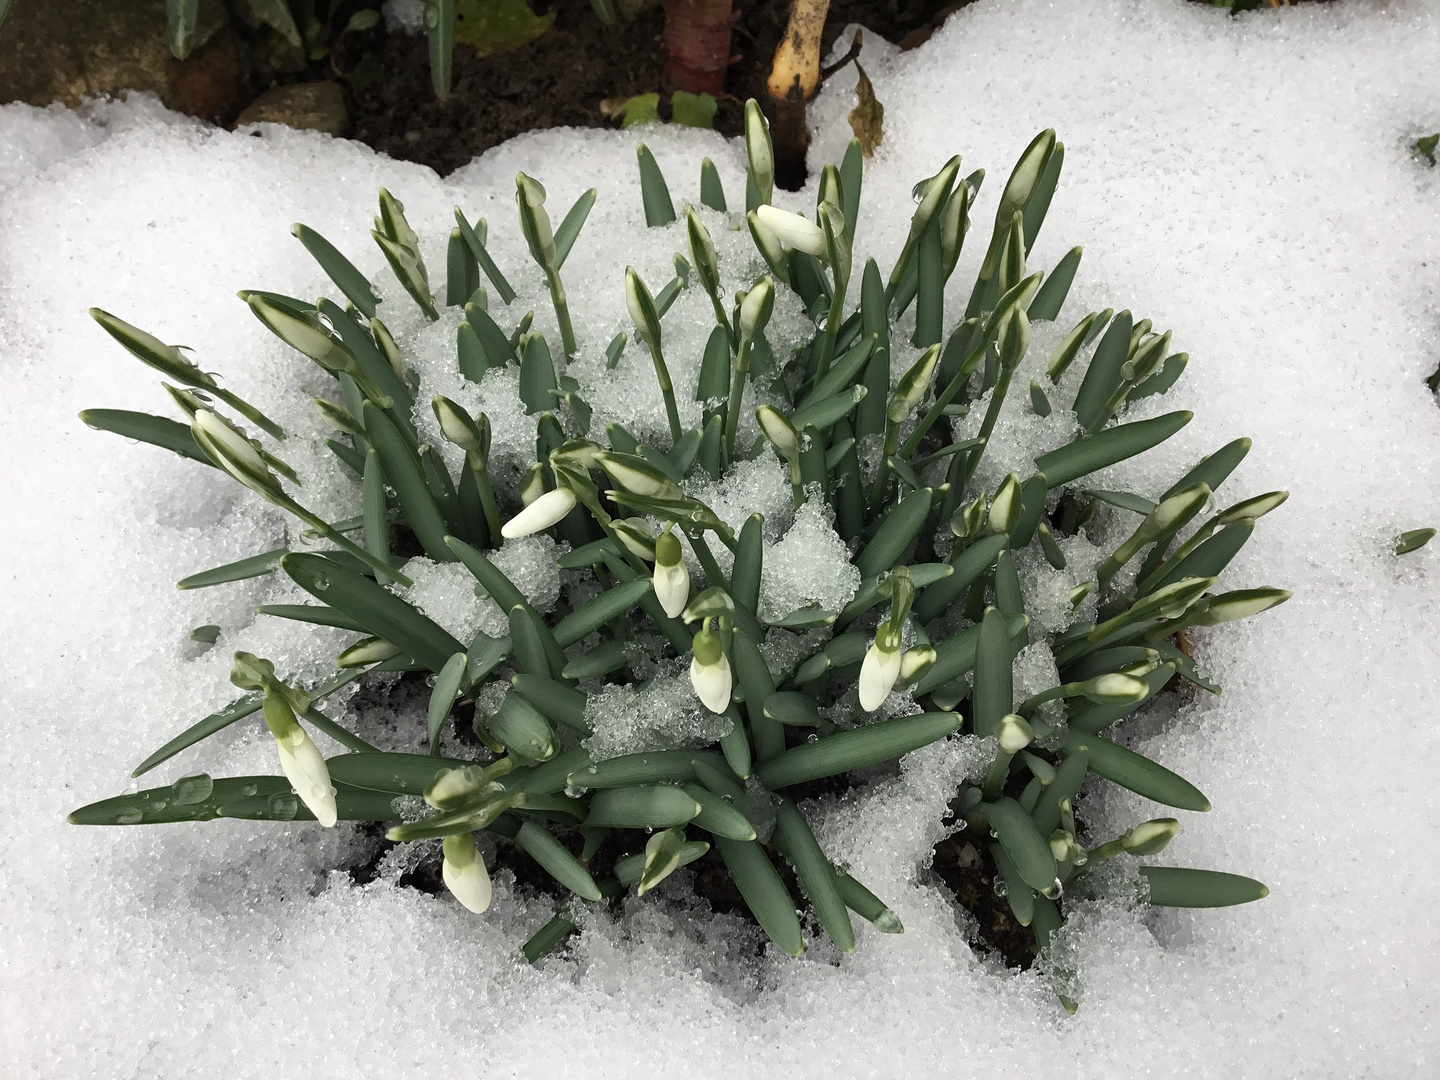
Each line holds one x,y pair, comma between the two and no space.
924,650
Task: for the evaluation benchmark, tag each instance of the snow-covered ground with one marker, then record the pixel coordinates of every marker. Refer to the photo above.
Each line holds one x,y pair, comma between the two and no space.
1245,182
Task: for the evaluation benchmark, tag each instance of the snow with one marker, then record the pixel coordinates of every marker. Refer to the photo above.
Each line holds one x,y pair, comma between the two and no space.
1245,182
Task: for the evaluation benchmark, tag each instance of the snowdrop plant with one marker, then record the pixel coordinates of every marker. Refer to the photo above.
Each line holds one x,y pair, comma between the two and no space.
924,650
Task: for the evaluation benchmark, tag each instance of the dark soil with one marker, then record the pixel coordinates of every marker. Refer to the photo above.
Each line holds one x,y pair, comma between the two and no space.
561,78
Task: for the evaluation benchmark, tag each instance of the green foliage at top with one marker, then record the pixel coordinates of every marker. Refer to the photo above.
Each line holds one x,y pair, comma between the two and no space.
939,617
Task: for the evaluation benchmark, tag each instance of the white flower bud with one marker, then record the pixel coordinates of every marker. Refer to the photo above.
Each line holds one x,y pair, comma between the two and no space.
234,453
671,578
710,671
878,673
301,760
1150,837
1115,689
755,309
758,149
778,430
534,221
1013,733
793,230
547,510
464,872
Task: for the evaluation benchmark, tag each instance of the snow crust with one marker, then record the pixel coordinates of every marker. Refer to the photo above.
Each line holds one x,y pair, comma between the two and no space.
1244,182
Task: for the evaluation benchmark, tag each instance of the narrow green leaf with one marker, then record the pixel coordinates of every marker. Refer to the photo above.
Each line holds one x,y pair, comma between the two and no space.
376,608
994,688
955,656
523,728
650,806
1174,886
718,816
899,529
569,229
606,657
817,876
1051,297
536,650
867,905
757,684
560,702
250,798
763,891
393,774
1160,382
1037,204
143,427
824,413
1091,452
735,745
847,750
561,926
712,194
656,767
555,859
442,697
1207,560
496,345
1135,772
485,655
1212,470
1407,542
537,375
659,210
852,175
490,577
462,272
968,566
477,248
793,708
1103,376
749,560
1028,850
1068,778
548,777
403,472
1032,510
311,613
604,608
1019,895
714,381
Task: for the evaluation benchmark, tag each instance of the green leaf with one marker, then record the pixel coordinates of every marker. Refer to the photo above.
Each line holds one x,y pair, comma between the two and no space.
763,891
659,210
553,932
376,608
535,648
1125,500
630,870
561,703
606,607
1405,543
847,750
462,271
523,728
968,566
1207,560
182,17
1212,470
867,905
1051,297
712,194
252,798
443,695
1174,886
143,427
757,684
895,534
693,110
338,269
498,25
1028,850
393,774
718,816
641,807
1068,778
749,560
569,228
537,374
994,689
793,708
311,613
1032,510
1160,382
655,767
440,29
477,248
1019,895
604,658
548,777
556,860
1091,452
490,577
402,470
955,656
817,876
1103,376
1135,772
824,413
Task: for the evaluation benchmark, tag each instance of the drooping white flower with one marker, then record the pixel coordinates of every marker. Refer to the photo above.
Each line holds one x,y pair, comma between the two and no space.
301,761
464,872
671,578
545,511
710,671
878,673
794,231
234,453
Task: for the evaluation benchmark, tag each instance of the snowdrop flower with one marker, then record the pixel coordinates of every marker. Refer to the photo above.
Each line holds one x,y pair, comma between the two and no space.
534,221
672,580
710,671
464,872
756,308
1150,837
547,510
232,451
301,760
794,231
1013,733
759,150
881,668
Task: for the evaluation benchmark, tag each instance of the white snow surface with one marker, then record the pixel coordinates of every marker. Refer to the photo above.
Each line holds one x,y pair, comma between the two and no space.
1242,181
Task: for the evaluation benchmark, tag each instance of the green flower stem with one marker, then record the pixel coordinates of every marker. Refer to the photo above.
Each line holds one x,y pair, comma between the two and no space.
562,313
245,409
797,481
737,391
1104,851
946,396
337,538
487,503
995,778
724,321
662,376
707,562
882,474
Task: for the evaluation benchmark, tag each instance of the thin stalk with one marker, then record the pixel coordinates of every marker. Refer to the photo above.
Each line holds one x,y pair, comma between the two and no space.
948,395
487,503
562,314
882,474
707,561
737,391
724,322
337,538
995,778
662,376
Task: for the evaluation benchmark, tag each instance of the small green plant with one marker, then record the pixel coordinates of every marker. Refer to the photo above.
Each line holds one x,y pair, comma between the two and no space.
922,645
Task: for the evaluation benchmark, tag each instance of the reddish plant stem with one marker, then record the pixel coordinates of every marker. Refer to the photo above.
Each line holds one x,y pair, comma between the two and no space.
697,44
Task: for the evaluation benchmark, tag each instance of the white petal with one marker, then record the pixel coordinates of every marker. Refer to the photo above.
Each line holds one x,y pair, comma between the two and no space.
877,675
545,511
672,587
229,440
712,683
794,231
470,884
305,769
